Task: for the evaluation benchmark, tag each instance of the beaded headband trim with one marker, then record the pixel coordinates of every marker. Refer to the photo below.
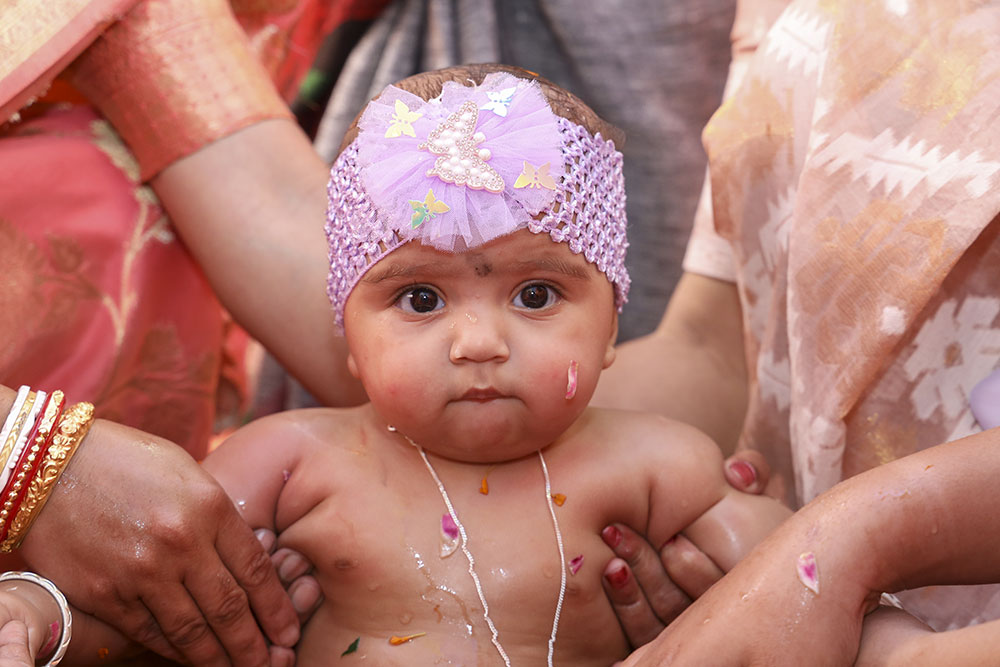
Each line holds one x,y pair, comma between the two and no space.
474,164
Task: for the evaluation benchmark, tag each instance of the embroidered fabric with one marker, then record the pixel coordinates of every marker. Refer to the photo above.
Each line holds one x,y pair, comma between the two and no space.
454,176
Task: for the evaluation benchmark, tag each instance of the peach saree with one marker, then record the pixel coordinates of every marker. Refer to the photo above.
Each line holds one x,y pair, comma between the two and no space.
855,188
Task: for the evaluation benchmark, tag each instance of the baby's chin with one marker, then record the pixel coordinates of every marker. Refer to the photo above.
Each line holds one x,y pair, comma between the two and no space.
484,443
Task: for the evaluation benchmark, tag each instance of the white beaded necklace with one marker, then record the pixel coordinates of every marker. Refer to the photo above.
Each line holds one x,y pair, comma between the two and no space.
472,561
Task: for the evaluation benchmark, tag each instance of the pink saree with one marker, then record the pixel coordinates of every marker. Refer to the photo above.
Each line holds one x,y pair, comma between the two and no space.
99,298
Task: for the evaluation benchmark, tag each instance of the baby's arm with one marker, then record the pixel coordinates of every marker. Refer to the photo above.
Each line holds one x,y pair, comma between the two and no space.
254,463
725,524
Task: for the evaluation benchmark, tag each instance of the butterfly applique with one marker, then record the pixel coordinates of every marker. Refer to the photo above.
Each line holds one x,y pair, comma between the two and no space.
500,101
402,121
428,208
532,177
460,162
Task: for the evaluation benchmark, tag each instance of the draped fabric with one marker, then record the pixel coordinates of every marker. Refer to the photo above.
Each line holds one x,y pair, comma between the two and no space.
98,297
855,188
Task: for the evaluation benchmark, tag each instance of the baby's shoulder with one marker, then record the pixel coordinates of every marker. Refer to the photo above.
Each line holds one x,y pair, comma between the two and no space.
647,438
295,433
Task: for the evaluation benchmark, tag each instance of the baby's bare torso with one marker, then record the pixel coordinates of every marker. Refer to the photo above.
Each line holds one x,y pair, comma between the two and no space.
364,509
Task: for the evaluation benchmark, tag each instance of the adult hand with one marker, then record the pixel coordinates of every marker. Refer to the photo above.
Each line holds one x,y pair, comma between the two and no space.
649,589
295,573
760,614
14,651
137,534
772,610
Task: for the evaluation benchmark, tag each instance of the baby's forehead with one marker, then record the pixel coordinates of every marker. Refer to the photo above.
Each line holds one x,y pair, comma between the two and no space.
522,251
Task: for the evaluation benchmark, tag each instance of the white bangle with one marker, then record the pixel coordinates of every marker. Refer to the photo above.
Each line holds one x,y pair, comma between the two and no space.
64,611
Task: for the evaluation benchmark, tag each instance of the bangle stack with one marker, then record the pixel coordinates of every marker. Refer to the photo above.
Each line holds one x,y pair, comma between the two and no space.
37,441
66,630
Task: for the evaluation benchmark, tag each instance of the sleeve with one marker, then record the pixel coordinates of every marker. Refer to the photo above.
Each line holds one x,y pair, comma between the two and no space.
709,254
173,76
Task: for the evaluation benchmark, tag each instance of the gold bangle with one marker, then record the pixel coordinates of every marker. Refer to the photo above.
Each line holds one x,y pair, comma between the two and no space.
70,431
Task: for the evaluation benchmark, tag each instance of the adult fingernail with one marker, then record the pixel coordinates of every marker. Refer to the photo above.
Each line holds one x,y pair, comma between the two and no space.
291,568
612,536
305,598
617,578
265,537
289,636
745,471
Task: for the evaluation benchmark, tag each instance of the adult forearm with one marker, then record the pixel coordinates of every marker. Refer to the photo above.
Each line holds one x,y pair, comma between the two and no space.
251,208
692,367
928,518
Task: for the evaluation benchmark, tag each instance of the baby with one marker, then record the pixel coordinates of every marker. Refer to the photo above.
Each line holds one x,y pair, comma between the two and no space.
477,246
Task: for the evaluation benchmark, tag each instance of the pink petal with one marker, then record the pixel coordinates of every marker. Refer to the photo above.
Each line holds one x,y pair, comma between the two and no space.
576,564
808,571
571,380
449,536
448,526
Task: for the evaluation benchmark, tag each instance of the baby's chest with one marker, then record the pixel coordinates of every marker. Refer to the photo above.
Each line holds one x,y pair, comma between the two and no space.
395,546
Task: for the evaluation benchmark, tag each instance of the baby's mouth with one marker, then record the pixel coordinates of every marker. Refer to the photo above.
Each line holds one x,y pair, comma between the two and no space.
481,395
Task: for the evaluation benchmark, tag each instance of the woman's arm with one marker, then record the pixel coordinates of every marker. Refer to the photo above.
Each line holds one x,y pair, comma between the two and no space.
928,518
692,367
137,534
251,208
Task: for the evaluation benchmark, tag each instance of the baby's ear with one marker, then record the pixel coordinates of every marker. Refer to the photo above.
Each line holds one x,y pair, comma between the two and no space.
352,367
609,353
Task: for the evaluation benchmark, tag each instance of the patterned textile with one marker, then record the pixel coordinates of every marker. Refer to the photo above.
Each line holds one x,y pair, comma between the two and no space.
855,178
97,295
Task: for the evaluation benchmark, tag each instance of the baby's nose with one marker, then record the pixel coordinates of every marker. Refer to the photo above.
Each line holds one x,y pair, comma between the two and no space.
478,338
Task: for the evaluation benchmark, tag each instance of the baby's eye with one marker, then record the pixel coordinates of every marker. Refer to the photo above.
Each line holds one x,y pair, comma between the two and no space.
535,296
420,300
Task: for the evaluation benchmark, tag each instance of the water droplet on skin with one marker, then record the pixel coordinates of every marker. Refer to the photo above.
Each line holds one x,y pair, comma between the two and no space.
745,597
934,530
242,504
472,317
374,586
405,618
547,573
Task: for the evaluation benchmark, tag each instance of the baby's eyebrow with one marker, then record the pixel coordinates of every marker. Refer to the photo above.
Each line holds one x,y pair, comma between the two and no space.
552,264
388,270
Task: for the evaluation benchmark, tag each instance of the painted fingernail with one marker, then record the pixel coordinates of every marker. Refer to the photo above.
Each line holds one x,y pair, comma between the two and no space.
612,536
745,471
617,578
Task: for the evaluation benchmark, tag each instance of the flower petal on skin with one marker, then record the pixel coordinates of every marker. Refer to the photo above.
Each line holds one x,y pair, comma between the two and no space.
396,640
808,571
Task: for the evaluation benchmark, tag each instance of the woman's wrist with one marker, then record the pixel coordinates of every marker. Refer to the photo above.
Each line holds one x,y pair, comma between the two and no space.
44,611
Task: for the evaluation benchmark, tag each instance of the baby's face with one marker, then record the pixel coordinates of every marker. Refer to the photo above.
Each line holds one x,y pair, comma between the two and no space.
468,354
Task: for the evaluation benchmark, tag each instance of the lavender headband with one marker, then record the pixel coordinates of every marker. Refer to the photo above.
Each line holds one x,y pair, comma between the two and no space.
474,164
